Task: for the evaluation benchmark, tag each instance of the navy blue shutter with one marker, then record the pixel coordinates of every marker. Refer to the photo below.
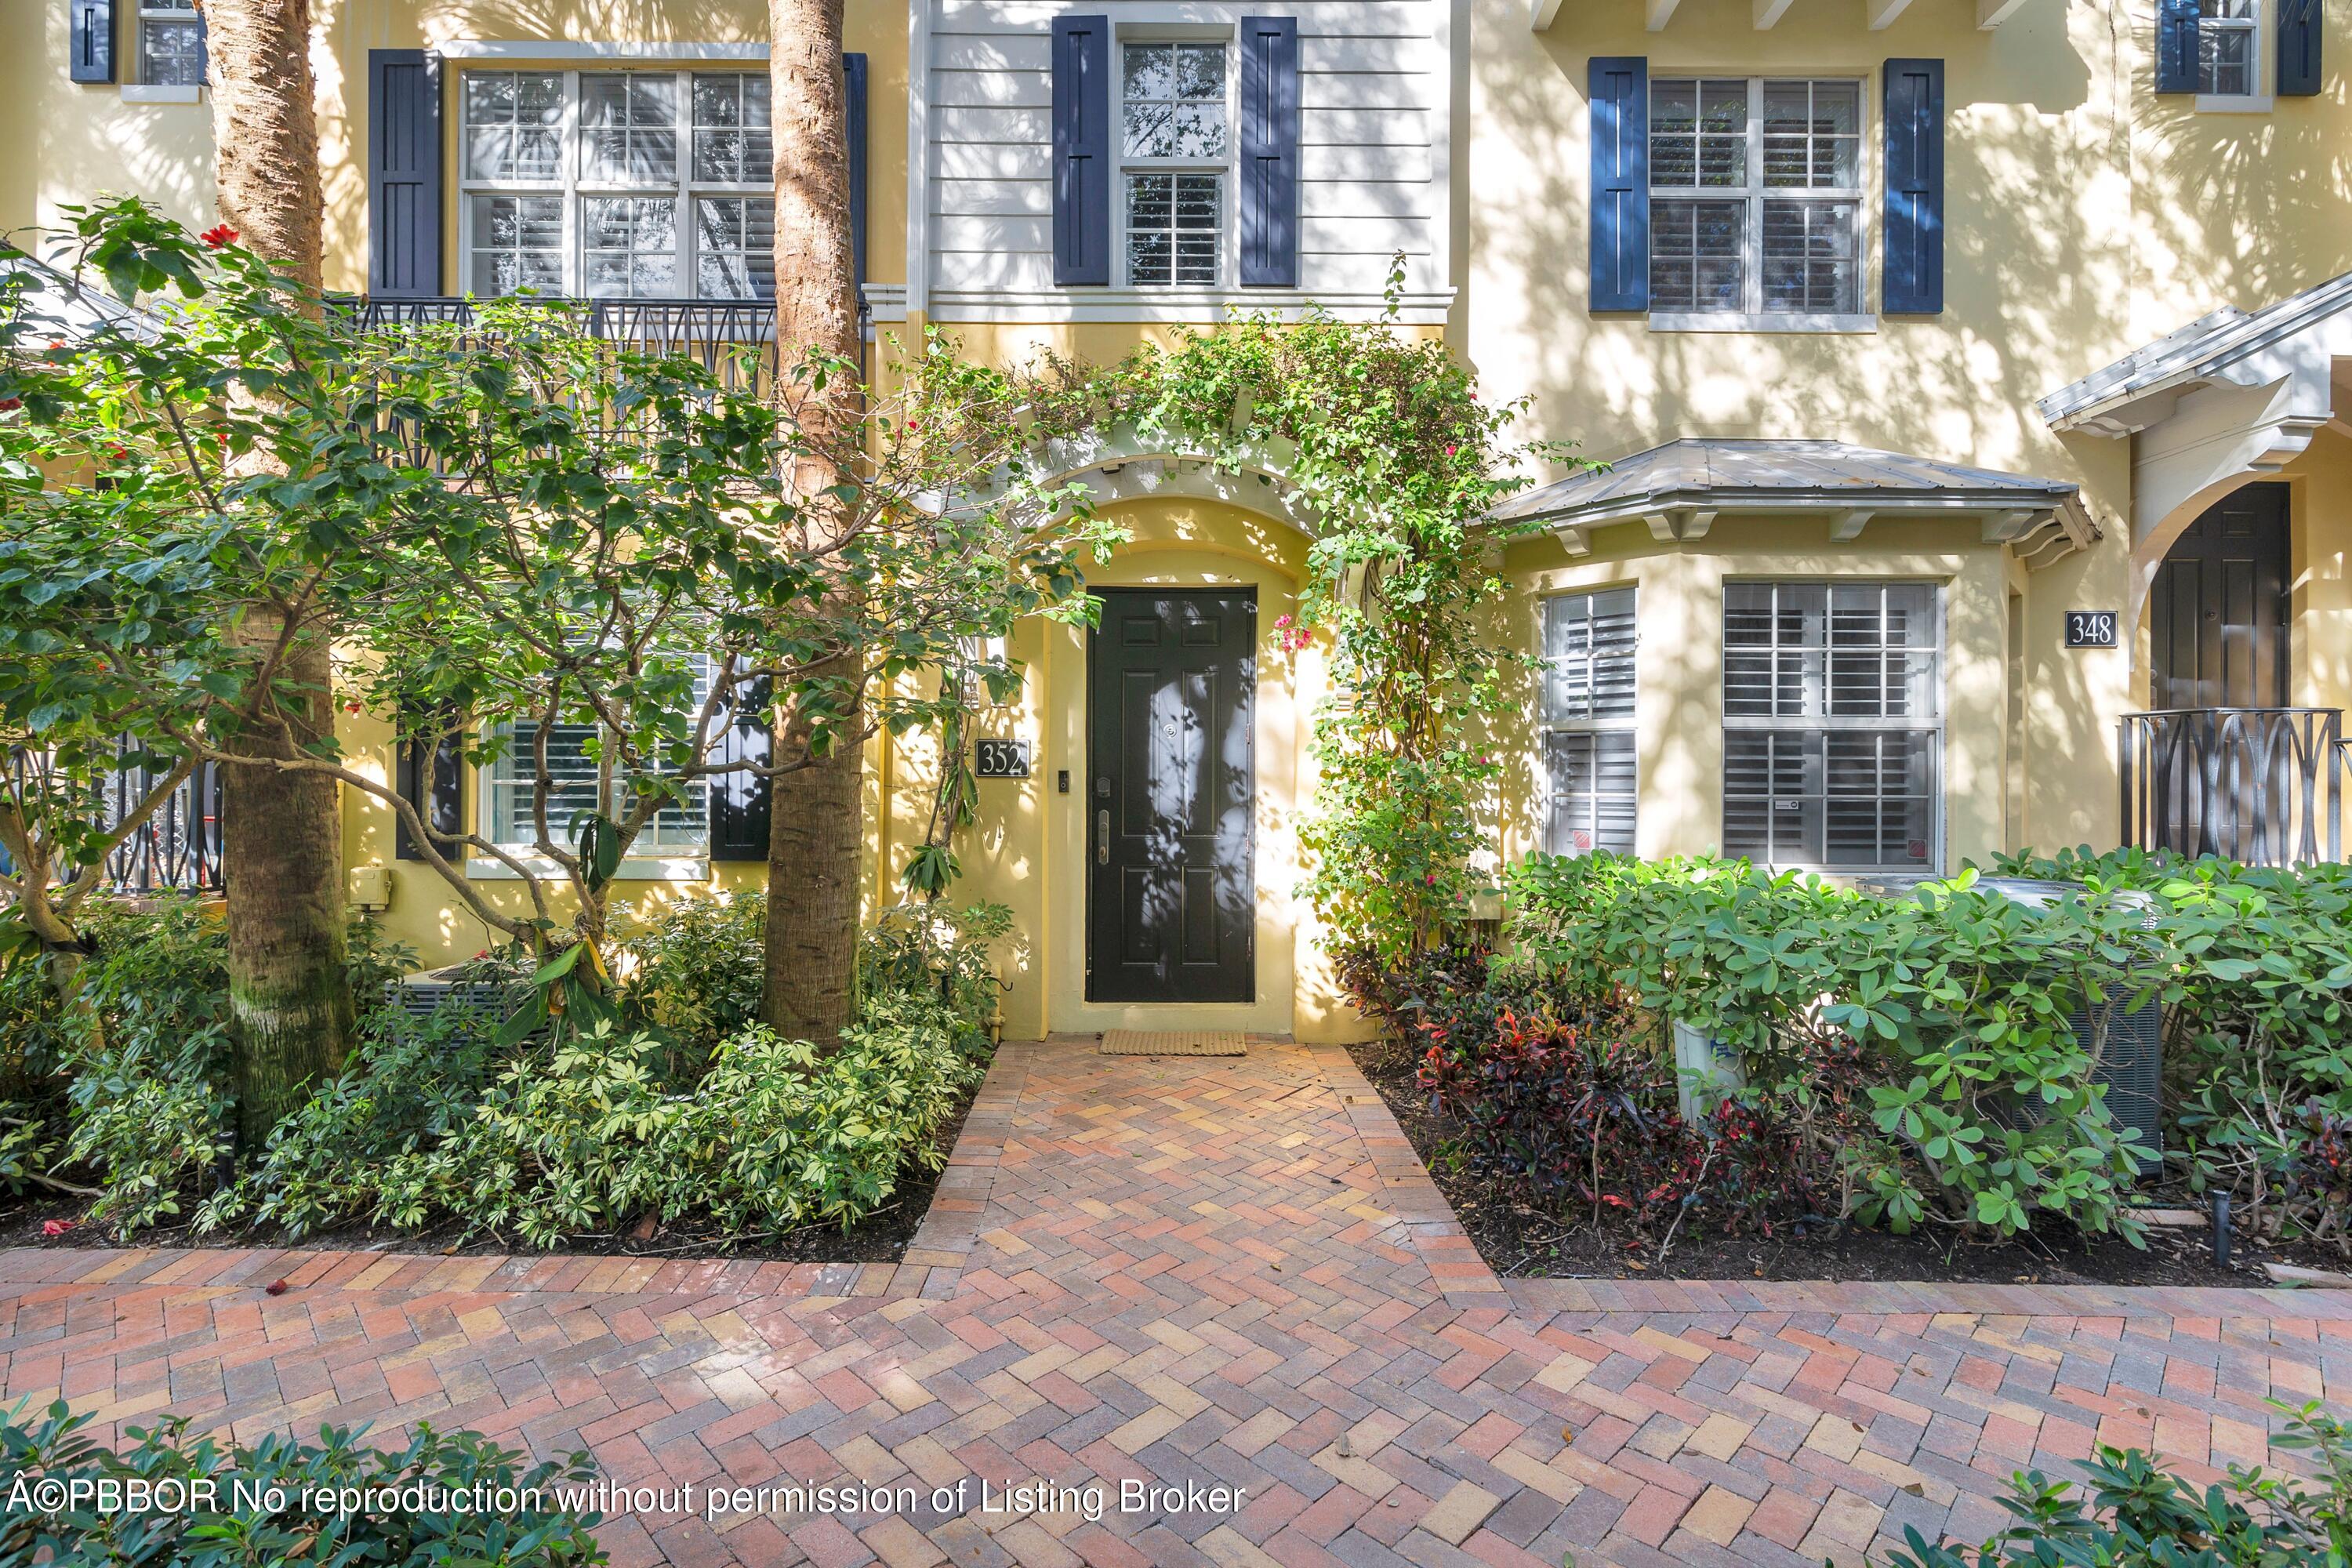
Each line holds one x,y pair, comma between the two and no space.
90,23
1913,281
2298,48
740,802
2176,45
1618,87
403,173
1269,194
437,789
853,83
1081,150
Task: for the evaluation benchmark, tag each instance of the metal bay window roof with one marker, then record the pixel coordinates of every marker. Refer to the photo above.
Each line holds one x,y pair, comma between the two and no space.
1680,488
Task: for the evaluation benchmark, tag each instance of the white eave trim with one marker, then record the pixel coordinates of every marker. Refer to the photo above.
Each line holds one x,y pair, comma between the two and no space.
577,49
2038,527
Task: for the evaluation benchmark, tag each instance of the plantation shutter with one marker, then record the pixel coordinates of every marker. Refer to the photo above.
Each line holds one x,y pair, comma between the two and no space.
1618,87
2298,48
91,42
1269,194
1081,150
403,173
2176,45
435,788
1913,282
741,802
852,82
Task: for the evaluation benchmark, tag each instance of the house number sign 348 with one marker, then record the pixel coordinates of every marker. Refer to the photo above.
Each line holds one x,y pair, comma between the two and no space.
2090,628
1000,760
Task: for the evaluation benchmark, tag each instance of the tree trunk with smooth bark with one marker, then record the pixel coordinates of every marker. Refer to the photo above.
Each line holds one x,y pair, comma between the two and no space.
281,833
815,836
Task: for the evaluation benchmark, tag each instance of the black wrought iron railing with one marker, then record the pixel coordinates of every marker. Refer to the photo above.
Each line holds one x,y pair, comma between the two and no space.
735,339
2262,786
179,846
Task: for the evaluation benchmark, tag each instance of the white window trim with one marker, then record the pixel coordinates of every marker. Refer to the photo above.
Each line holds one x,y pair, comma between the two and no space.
1939,727
1547,726
573,188
1229,183
635,869
2258,98
144,16
486,813
1753,196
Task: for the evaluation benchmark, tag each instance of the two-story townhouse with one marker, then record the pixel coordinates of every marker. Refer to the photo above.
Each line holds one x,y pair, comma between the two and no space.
1968,372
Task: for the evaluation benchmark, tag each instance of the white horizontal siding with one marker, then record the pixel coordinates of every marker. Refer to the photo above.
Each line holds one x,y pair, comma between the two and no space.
1372,89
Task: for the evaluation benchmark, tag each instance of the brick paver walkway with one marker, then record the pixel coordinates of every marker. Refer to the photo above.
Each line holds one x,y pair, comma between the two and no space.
1223,1272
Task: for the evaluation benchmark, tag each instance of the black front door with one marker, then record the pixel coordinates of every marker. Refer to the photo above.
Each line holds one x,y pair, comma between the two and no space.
1170,892
2218,620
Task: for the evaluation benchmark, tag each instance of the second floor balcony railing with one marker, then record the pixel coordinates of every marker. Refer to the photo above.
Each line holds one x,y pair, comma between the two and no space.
2262,786
735,339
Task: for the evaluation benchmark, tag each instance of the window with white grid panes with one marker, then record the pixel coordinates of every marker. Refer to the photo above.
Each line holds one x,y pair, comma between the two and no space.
510,790
617,185
1589,677
1756,197
171,44
1175,150
1832,713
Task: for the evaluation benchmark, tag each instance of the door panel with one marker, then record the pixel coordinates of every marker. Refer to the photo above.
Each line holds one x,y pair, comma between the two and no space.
2219,624
1172,897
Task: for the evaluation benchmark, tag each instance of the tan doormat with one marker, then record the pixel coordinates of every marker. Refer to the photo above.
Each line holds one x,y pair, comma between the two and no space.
1173,1043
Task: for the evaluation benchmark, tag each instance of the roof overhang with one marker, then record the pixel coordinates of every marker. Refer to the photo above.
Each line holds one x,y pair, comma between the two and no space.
1678,490
2232,394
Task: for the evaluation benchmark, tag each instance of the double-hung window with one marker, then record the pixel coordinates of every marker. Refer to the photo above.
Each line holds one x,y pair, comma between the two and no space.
171,44
1832,705
2229,36
618,184
1175,153
510,790
1588,721
1755,199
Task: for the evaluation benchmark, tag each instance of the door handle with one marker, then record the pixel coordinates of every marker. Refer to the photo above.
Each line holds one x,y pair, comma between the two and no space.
1102,837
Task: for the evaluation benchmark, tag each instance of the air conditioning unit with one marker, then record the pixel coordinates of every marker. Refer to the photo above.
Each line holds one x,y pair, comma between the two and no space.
2131,1064
424,993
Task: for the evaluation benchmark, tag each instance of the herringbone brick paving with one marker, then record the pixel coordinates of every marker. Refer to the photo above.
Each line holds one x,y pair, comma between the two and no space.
1216,1271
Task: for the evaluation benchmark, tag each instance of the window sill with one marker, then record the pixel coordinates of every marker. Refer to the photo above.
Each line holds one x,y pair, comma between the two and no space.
1711,322
148,92
647,868
2234,103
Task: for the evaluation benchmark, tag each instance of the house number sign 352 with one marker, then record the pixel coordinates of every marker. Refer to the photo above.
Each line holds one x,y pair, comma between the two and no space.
2090,628
1002,760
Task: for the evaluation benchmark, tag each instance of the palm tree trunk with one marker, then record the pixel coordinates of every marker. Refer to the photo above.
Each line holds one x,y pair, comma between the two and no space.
281,833
816,831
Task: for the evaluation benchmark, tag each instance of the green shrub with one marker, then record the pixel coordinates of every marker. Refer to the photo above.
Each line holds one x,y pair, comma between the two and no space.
2258,1040
2128,1511
278,1501
925,949
1983,1100
698,966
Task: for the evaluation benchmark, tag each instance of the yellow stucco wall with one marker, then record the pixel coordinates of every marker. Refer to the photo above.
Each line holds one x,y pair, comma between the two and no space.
2084,214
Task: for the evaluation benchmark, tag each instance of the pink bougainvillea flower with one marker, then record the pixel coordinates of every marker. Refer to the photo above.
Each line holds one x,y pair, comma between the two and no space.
54,1228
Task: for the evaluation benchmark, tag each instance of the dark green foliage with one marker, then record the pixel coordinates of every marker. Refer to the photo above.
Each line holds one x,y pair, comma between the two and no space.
275,1502
2128,1511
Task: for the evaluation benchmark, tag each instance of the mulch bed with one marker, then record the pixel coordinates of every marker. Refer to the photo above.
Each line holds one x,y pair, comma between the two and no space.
880,1238
1517,1241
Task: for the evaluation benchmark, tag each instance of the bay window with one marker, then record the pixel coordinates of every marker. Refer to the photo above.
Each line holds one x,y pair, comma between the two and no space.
1833,703
1588,722
617,185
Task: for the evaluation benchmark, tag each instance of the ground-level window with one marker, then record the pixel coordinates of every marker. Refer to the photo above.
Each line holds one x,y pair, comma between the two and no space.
1832,712
1756,196
510,792
1588,717
171,44
618,184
